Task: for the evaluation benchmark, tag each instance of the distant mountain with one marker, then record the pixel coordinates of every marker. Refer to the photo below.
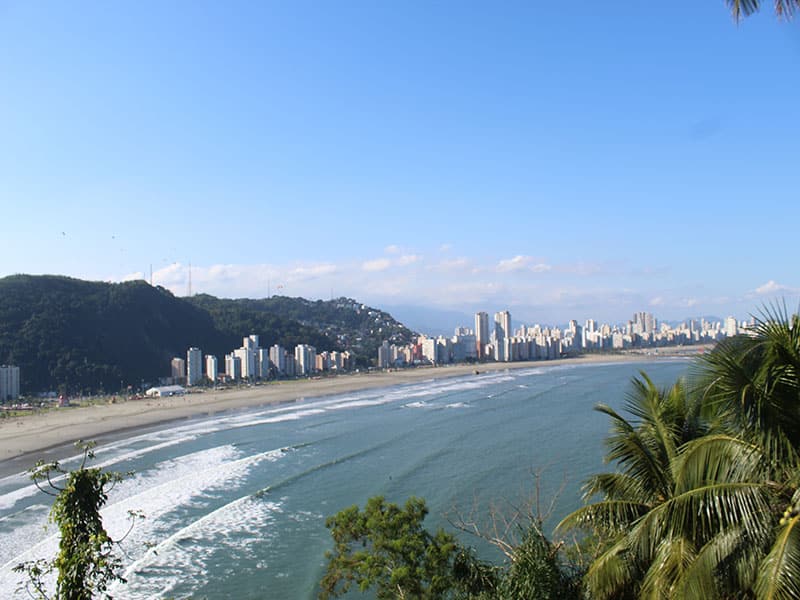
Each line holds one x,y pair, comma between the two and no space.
432,321
91,336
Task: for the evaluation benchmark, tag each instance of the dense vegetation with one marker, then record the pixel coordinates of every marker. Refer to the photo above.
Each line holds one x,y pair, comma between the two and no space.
349,324
90,336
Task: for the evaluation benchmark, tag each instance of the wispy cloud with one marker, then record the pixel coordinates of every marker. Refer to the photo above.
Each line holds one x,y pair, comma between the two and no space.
402,275
523,263
773,287
379,264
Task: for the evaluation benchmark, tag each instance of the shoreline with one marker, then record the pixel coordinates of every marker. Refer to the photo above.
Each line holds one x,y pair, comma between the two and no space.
24,440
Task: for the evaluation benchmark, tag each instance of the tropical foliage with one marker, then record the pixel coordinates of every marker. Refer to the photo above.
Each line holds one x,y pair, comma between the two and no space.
704,501
745,8
86,563
385,548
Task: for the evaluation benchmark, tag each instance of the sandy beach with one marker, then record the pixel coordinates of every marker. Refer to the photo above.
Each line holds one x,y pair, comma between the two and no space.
23,440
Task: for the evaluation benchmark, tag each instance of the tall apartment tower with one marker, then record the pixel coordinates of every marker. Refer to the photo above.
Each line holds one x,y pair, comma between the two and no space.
178,368
233,367
502,330
277,356
9,383
481,333
212,370
194,366
305,357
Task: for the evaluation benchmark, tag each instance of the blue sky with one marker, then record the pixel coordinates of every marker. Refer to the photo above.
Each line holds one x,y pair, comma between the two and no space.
561,160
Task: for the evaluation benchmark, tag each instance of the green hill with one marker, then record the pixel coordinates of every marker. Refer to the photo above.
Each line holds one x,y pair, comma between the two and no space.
90,336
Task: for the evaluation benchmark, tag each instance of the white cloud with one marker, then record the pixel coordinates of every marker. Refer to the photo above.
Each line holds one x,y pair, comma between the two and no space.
520,262
453,264
403,277
772,287
408,259
379,264
312,271
514,264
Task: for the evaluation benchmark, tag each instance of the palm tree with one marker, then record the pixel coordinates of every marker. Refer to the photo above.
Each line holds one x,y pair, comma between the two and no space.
687,514
694,510
744,8
754,381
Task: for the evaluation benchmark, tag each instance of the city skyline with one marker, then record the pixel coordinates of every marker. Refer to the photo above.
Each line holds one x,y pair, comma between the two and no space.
447,158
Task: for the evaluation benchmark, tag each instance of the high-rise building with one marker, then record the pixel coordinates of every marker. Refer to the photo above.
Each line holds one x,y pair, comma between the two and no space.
481,333
305,358
194,364
178,369
502,330
247,356
263,364
277,356
383,355
731,328
233,366
212,371
9,383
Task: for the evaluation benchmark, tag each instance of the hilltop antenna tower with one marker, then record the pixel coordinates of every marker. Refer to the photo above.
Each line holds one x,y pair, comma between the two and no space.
151,274
190,281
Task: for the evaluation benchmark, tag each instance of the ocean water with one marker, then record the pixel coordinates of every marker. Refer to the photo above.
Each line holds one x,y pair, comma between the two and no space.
236,504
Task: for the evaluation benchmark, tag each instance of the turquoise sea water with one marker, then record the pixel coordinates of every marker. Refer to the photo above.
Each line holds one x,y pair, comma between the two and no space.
235,504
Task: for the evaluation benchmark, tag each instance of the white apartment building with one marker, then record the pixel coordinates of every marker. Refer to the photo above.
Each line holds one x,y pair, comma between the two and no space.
305,358
233,366
212,371
502,329
277,356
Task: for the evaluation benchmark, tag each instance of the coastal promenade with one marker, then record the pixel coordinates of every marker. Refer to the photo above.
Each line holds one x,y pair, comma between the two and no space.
23,440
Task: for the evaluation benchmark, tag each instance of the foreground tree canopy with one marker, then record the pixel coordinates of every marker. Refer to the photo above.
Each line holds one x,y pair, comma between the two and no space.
705,499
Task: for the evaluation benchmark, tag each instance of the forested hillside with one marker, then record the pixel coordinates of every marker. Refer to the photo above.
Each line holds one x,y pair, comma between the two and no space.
90,336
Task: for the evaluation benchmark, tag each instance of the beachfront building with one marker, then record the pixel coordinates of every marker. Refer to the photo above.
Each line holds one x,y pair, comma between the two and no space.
502,330
277,359
178,369
9,383
233,367
165,391
212,371
247,360
305,358
481,333
194,366
384,358
263,363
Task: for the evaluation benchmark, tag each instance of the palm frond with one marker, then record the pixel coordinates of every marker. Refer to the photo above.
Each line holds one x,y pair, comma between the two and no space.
779,574
612,574
745,8
608,515
673,557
